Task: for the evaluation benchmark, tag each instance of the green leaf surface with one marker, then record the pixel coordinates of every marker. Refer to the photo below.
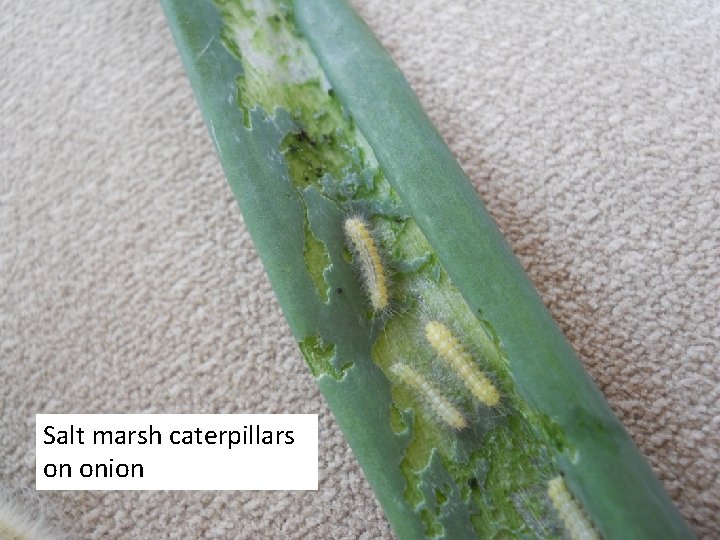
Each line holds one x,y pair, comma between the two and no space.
313,124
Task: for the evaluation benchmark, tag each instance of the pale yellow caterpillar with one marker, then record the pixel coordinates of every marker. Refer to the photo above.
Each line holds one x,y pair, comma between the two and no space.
578,526
21,517
439,405
451,350
371,266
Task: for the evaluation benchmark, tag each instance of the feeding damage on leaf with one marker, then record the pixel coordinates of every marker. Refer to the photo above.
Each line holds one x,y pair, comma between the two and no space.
466,445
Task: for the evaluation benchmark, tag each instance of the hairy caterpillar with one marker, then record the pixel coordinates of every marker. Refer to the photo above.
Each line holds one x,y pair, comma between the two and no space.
374,275
451,350
439,404
577,525
21,517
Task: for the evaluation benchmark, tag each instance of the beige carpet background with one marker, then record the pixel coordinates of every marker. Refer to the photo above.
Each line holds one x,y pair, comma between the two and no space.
129,283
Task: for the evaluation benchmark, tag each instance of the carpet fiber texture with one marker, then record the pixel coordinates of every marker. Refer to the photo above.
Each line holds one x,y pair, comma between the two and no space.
129,282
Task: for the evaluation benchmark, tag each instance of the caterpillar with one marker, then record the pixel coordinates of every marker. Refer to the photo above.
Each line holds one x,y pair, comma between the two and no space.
451,350
576,524
374,275
21,517
439,404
